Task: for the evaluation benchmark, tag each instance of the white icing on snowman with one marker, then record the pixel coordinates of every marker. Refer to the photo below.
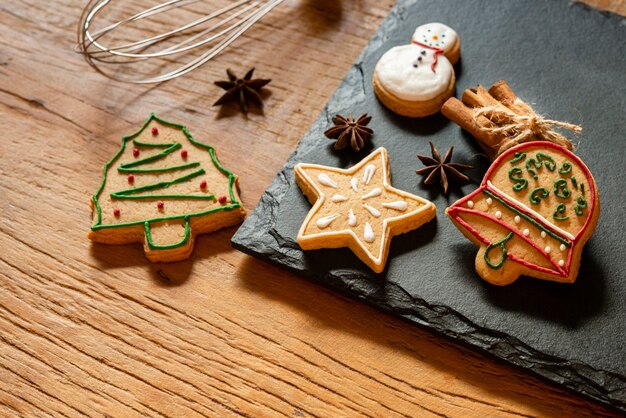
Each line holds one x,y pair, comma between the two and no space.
436,35
419,71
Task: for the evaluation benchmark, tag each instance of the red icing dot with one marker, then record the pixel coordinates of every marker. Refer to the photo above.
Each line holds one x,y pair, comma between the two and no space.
116,212
222,199
131,178
203,184
135,152
160,205
155,131
183,153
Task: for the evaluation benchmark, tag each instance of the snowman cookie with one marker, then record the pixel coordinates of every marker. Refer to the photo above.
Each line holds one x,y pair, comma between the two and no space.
415,80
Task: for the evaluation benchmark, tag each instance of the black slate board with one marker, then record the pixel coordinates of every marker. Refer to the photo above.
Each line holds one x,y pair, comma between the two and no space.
568,61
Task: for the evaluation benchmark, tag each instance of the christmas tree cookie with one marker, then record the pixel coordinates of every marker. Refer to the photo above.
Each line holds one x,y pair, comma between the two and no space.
163,188
358,208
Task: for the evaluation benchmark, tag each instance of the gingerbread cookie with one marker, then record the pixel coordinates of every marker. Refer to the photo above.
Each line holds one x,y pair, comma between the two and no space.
357,208
415,80
534,211
163,188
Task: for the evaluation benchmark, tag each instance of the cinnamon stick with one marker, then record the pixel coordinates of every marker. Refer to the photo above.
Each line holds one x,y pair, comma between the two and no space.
462,115
503,93
478,97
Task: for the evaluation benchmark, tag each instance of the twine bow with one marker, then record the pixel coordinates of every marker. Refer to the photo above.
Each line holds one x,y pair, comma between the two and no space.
521,127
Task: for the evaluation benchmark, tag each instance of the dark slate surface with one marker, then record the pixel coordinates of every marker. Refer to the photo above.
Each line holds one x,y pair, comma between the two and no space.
569,62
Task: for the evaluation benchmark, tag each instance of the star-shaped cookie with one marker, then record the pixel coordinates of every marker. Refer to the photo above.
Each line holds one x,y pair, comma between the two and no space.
358,208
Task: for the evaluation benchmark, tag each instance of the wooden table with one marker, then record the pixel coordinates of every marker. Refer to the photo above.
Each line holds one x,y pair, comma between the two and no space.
98,330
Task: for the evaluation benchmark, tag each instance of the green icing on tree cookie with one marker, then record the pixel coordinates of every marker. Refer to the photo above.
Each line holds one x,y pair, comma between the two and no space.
159,189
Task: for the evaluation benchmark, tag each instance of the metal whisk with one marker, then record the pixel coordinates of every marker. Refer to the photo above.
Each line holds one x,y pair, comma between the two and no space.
185,46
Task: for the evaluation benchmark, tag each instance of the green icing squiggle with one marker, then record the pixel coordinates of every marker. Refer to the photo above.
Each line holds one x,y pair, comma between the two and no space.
560,209
542,158
537,194
561,190
520,182
565,168
502,246
518,157
581,205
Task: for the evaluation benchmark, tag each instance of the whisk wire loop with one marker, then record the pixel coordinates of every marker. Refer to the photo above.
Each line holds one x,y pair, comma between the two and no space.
226,24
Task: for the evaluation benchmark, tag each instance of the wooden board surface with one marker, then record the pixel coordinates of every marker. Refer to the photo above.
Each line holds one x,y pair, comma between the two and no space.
97,330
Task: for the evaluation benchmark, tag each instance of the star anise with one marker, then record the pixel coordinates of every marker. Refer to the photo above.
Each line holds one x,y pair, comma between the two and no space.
440,170
243,90
350,132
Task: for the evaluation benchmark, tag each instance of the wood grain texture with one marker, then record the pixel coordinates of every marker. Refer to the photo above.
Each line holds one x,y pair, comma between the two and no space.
92,330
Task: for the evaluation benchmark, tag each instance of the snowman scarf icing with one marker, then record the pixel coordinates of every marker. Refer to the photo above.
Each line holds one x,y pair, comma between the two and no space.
436,52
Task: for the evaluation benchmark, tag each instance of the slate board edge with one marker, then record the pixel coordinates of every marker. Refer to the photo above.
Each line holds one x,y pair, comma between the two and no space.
257,237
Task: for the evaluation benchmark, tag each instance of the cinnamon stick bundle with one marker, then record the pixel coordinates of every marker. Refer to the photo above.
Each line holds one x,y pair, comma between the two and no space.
498,119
